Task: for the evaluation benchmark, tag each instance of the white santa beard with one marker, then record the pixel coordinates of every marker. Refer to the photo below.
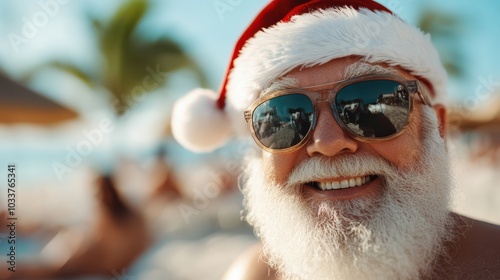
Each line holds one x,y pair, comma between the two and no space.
397,237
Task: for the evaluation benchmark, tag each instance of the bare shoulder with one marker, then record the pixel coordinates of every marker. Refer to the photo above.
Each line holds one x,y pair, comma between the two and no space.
249,266
478,248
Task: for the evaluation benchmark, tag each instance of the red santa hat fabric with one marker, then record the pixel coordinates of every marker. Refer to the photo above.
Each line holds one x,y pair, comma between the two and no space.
288,34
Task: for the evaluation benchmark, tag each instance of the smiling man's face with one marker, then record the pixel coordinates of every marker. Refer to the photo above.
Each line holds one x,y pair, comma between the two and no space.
389,222
329,140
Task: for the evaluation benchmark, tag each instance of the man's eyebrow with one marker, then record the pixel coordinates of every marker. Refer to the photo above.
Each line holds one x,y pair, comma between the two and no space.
358,69
282,83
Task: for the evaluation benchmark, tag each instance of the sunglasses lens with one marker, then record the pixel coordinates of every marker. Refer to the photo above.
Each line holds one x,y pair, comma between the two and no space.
374,109
283,121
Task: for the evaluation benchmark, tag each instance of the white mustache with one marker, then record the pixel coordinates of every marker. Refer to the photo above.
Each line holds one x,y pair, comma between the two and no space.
352,165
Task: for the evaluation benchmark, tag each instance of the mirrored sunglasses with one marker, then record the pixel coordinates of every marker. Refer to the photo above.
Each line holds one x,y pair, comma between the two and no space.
368,108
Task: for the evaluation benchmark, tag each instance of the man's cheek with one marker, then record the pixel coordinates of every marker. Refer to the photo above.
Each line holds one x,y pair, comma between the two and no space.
276,168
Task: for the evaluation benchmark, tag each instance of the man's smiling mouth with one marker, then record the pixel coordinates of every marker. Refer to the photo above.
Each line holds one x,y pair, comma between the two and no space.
343,184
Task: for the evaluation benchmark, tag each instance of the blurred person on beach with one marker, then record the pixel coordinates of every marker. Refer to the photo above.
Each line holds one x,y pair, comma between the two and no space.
117,236
356,194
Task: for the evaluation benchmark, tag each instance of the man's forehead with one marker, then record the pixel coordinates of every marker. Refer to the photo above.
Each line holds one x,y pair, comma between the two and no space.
331,73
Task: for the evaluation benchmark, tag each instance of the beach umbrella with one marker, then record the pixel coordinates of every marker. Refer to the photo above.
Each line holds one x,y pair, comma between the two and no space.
19,104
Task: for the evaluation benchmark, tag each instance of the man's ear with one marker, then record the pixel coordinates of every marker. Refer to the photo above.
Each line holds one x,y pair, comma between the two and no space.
440,111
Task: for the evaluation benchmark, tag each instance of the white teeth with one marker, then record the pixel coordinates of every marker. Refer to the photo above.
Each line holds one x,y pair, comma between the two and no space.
353,182
344,184
359,181
336,185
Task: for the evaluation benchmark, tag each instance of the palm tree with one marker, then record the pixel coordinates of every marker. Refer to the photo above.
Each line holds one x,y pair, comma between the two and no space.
128,57
445,31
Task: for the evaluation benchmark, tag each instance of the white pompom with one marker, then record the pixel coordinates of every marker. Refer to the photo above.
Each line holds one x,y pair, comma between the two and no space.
197,123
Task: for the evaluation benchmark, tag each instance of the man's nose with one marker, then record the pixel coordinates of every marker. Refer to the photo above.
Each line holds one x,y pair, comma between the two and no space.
328,138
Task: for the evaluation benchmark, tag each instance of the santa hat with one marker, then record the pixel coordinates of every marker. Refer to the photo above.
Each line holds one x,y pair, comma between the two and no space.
288,34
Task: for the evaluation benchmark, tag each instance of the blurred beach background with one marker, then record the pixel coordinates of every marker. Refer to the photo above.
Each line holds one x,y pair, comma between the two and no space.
103,190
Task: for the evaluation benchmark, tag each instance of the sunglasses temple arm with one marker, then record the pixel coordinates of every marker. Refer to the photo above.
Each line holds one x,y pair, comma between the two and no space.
247,114
422,91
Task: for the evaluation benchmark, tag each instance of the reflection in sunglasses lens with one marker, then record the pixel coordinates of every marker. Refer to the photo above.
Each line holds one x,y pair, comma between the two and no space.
373,109
283,121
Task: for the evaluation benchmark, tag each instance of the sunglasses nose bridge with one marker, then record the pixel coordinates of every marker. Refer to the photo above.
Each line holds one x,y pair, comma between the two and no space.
322,95
318,103
321,109
328,137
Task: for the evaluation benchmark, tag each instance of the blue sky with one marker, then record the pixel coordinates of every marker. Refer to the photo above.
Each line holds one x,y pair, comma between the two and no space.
207,35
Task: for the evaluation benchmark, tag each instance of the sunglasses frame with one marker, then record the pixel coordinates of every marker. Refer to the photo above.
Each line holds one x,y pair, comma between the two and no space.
329,95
